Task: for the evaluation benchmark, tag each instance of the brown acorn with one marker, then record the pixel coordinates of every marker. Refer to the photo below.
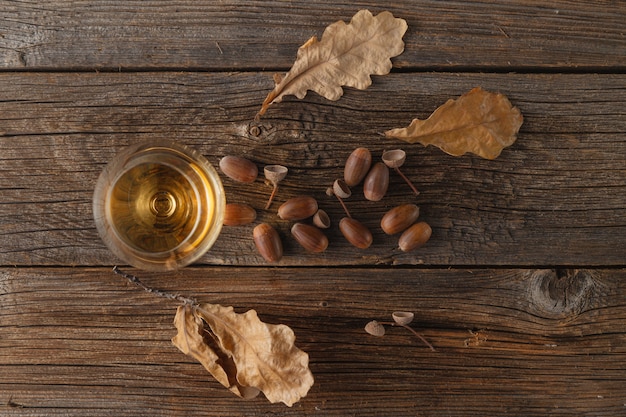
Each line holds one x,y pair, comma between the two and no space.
239,169
237,214
356,233
399,218
268,242
415,236
298,208
357,166
309,237
376,182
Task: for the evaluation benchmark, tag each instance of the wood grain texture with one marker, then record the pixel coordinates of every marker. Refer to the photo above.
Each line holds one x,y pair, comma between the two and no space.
554,198
229,35
509,341
520,289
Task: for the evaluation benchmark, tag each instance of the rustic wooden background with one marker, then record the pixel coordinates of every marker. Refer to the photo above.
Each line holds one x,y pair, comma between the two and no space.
522,287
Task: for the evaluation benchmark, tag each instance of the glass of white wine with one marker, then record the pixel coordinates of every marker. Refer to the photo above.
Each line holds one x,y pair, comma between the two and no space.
159,205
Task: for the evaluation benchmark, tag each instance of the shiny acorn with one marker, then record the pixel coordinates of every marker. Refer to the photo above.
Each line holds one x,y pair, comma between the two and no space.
399,218
357,166
356,232
414,237
376,182
239,169
309,237
298,208
267,242
236,214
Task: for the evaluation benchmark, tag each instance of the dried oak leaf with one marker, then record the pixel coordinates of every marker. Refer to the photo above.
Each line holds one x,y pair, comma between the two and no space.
479,122
346,55
244,354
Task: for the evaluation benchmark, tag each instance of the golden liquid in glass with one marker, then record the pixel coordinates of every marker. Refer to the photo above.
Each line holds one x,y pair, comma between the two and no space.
159,207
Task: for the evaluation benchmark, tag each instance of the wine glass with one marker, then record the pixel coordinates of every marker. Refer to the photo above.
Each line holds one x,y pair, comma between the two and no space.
159,205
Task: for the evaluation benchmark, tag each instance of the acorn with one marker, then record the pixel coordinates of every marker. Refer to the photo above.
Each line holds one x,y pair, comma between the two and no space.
357,166
268,242
376,182
356,233
415,236
298,208
309,237
399,218
239,169
236,214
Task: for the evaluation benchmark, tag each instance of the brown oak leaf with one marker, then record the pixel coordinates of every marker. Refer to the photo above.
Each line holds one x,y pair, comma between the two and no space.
479,122
346,55
244,354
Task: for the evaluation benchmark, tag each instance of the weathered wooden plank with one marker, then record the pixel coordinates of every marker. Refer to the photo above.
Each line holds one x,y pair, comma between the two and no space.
225,35
78,341
554,198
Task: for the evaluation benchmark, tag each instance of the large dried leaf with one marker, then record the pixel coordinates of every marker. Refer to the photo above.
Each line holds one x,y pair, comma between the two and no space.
479,122
346,55
243,353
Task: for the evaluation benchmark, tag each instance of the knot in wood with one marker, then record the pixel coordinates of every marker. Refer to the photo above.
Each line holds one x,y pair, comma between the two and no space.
562,293
254,131
260,132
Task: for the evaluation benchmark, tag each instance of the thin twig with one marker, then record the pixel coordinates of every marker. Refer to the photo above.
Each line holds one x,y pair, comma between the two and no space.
133,279
503,32
13,404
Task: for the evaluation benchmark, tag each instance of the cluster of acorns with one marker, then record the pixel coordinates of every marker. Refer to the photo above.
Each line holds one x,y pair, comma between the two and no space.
358,168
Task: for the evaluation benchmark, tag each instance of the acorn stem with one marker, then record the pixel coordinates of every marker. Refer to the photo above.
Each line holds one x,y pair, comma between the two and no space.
419,336
340,189
273,175
345,208
269,201
408,181
409,328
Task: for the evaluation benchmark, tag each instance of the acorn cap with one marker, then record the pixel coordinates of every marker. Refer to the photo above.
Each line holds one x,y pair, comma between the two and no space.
321,219
341,189
394,158
275,173
402,317
375,328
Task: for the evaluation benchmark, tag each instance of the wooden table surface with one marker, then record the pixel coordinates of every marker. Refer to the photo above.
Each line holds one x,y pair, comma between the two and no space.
521,289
